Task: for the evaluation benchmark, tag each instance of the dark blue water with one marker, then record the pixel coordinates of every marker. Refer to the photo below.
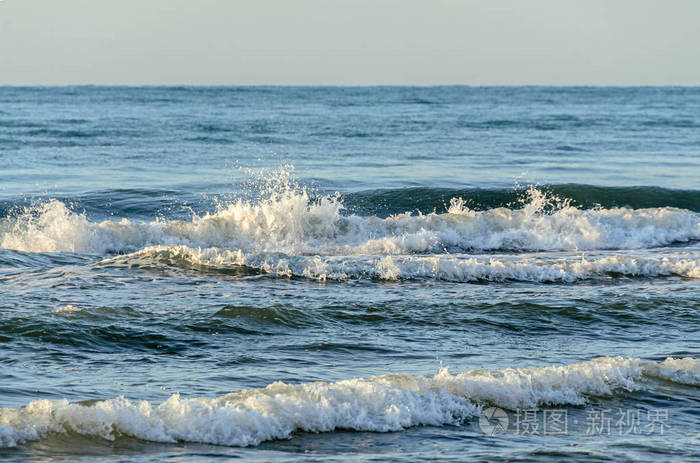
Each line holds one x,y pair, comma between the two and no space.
350,273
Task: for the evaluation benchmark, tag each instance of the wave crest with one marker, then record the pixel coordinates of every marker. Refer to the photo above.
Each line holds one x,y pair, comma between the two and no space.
292,222
380,404
446,267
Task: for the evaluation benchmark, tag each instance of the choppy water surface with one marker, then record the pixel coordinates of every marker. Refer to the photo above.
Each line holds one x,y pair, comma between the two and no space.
350,273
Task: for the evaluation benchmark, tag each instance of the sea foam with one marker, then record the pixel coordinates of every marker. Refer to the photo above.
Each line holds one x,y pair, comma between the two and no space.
567,268
381,404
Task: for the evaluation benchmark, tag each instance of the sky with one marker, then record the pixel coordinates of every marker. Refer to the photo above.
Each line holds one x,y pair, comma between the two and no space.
349,42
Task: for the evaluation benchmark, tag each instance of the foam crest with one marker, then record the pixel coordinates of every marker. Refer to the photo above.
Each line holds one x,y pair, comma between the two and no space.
447,267
287,218
70,308
380,404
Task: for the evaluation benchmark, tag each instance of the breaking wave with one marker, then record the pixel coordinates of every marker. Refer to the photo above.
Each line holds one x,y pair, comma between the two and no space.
288,219
380,404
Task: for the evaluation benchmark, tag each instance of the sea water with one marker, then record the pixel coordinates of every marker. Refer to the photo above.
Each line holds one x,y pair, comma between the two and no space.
379,273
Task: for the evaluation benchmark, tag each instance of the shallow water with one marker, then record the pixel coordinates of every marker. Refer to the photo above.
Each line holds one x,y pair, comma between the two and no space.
349,273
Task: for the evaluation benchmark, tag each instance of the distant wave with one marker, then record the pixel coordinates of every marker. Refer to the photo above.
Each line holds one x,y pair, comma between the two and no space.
289,220
382,403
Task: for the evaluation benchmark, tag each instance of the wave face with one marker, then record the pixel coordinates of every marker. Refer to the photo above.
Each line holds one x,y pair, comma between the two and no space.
289,220
380,404
426,199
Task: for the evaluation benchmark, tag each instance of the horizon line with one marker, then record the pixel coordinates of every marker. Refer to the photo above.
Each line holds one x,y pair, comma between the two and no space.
169,85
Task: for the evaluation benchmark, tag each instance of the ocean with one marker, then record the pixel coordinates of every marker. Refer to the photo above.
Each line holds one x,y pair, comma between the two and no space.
349,274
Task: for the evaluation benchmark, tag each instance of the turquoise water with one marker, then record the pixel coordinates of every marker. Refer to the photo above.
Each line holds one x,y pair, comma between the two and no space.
348,274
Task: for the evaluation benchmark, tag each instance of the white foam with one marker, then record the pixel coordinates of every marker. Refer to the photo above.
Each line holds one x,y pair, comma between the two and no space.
684,371
289,221
383,403
68,309
447,267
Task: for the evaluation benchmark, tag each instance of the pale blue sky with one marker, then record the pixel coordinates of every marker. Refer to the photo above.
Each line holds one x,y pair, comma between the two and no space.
343,42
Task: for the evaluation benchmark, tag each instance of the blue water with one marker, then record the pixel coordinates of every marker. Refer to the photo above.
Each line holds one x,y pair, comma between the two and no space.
406,261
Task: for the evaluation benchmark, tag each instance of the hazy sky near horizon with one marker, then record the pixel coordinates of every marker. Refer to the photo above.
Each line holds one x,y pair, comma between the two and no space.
344,42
